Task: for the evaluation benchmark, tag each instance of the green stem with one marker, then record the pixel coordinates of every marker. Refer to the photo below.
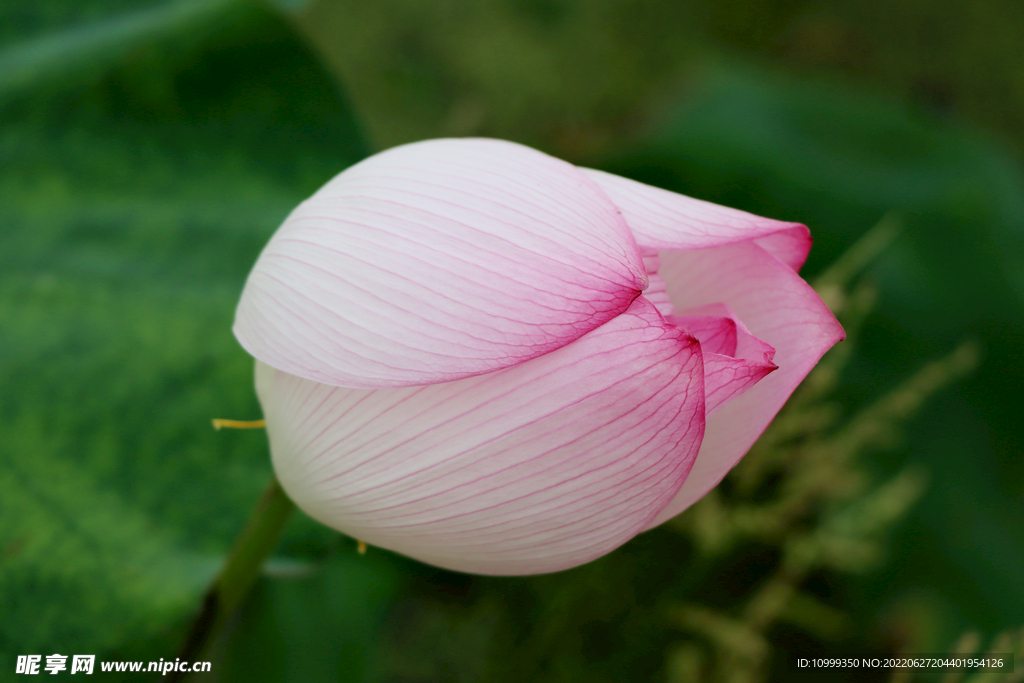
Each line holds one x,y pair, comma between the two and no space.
229,590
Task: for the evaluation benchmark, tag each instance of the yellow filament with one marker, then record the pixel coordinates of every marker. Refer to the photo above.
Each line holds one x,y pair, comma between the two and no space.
219,424
362,547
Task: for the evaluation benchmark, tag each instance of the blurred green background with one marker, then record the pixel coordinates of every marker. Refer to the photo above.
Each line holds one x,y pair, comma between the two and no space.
149,149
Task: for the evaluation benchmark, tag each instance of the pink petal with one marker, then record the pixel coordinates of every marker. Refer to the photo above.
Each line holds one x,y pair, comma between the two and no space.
716,333
734,359
656,292
662,220
536,468
436,261
726,377
779,308
789,246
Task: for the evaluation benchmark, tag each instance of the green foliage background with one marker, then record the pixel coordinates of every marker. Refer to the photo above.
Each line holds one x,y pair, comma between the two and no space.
148,150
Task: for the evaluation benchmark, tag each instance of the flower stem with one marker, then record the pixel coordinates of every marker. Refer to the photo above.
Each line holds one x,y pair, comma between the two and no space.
229,590
220,423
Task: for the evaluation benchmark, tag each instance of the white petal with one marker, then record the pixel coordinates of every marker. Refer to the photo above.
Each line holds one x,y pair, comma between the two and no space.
532,469
436,261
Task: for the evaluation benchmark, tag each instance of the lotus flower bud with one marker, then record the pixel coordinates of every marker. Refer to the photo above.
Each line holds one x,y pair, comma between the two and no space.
488,359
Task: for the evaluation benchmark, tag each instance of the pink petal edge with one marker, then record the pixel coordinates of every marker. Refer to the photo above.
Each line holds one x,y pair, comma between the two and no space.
664,220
